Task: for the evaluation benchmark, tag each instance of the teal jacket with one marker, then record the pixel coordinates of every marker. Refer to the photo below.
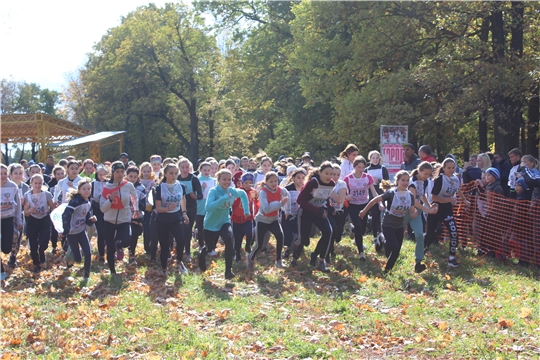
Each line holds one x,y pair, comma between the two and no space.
218,206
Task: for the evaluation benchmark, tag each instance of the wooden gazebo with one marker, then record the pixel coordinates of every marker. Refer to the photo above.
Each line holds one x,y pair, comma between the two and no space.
53,134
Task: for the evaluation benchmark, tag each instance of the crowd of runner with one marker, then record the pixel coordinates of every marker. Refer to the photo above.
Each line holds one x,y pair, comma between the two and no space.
170,202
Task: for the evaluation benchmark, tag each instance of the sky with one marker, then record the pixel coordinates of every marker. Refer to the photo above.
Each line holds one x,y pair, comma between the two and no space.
44,41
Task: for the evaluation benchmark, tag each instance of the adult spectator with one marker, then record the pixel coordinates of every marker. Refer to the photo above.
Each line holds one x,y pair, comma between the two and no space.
124,158
494,162
306,159
504,170
410,159
49,165
514,156
471,172
425,154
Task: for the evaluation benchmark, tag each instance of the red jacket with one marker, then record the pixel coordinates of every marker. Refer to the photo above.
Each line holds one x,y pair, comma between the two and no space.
237,215
429,158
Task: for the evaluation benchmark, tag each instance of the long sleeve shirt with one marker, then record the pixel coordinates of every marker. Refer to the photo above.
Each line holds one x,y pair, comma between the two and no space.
218,206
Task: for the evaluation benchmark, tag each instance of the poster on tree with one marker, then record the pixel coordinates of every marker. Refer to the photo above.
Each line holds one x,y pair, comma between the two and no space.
392,139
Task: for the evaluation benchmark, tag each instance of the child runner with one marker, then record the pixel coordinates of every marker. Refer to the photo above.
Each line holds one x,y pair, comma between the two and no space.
264,167
271,198
155,161
347,157
170,202
379,173
148,180
243,225
417,186
289,223
88,169
101,178
399,202
68,183
138,207
358,184
218,222
314,204
58,173
16,174
114,204
76,216
445,187
10,214
193,193
38,203
338,197
207,183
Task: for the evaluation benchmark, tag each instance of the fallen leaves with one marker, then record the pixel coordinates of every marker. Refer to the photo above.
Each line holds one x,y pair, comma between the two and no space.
505,323
525,313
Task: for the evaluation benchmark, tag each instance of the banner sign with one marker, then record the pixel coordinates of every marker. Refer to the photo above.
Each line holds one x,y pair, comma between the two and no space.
392,139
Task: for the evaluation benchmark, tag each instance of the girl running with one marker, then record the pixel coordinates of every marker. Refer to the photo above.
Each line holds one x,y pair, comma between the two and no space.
242,224
338,197
114,204
218,222
379,173
88,169
314,204
289,223
138,207
445,187
400,201
37,206
68,183
417,186
193,193
10,214
102,175
77,215
170,202
148,180
264,167
207,183
58,173
358,184
347,157
16,174
271,198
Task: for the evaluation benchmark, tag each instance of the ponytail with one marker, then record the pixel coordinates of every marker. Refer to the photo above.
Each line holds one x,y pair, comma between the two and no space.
387,184
348,150
421,167
316,171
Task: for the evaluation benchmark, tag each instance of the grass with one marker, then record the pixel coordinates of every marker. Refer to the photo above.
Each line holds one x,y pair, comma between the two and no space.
481,310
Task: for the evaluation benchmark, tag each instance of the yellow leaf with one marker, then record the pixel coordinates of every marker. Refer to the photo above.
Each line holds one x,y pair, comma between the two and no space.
344,273
505,323
450,287
525,313
442,325
447,277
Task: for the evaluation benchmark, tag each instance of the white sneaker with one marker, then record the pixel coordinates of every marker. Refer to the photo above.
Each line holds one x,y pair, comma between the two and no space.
212,253
182,268
362,256
279,264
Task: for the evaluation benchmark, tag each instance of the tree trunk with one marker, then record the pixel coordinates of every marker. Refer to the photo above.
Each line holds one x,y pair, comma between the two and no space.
6,154
211,132
194,131
483,130
34,151
144,150
533,123
22,152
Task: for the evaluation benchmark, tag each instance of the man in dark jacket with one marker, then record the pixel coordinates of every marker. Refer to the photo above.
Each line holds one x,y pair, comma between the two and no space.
471,172
504,169
410,160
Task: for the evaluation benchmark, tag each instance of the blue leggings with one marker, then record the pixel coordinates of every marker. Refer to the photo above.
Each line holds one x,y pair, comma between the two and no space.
418,228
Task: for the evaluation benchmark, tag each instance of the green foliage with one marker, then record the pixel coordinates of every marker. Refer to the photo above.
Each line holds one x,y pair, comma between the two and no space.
25,98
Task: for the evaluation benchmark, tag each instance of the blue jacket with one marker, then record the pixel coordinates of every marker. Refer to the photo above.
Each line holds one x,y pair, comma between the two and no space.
219,204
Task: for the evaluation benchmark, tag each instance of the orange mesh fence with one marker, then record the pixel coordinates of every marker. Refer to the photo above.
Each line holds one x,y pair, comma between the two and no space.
495,224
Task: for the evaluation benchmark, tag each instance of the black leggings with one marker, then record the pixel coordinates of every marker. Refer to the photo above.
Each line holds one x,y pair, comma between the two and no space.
8,230
38,232
274,228
449,222
136,231
200,229
290,229
176,230
100,229
239,231
359,225
392,246
82,239
114,233
306,219
375,219
226,234
188,230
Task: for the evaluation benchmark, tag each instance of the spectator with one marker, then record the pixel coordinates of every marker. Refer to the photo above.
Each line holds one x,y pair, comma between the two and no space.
410,160
494,162
425,154
470,171
124,158
515,160
49,166
504,169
